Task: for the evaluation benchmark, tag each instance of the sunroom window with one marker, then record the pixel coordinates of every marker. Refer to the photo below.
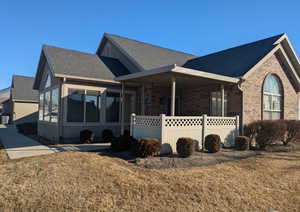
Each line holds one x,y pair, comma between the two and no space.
112,107
272,98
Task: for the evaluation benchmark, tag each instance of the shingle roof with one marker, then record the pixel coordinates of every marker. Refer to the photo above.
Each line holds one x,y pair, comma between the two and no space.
80,64
234,62
149,56
22,89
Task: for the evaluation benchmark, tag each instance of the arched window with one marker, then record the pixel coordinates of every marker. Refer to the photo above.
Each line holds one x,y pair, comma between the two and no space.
272,98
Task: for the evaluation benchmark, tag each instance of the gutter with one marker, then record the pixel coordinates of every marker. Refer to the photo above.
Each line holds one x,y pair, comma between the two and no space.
241,80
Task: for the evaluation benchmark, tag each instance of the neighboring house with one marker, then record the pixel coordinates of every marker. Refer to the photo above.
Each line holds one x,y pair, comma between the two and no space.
259,80
23,100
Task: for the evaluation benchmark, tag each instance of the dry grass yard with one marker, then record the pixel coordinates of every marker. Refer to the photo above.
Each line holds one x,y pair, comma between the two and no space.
75,181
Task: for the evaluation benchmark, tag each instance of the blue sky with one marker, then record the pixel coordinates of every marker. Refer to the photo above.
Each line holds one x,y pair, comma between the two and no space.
197,27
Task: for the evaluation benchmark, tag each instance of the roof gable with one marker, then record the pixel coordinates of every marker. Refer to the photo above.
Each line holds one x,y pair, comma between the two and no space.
22,89
72,63
148,56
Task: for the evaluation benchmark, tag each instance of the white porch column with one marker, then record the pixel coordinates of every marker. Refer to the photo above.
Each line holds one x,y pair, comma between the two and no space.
223,100
173,95
122,107
143,100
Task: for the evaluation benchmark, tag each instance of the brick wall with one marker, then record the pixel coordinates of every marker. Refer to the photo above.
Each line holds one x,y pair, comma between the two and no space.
192,101
253,87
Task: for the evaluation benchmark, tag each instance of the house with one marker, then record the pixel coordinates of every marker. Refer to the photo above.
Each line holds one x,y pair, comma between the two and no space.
23,101
259,80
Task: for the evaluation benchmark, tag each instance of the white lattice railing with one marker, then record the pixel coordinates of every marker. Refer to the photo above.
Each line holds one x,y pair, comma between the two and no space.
169,128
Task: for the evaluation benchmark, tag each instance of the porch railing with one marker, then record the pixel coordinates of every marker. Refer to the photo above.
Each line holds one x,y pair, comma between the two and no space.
169,128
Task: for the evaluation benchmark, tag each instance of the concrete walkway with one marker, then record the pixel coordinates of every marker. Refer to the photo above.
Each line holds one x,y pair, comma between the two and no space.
20,146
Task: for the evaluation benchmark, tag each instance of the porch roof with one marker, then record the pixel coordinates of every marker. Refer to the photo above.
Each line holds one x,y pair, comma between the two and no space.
163,73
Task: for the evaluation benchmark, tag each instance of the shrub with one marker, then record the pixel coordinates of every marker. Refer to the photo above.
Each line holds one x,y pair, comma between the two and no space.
242,142
29,128
122,143
185,147
107,135
212,143
146,147
269,132
292,131
87,136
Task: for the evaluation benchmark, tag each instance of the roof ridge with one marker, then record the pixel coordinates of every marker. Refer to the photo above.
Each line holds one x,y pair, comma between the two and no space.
161,47
246,44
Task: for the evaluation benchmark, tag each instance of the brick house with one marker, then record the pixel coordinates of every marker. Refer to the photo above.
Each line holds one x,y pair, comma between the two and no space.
259,80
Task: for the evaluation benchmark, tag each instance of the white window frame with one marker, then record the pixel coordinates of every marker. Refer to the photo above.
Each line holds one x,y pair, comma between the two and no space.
272,95
225,103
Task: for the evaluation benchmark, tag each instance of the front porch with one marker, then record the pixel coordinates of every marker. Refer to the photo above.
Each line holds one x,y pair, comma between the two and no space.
175,102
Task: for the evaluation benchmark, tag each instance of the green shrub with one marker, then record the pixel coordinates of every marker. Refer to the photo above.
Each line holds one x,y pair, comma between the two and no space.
146,147
185,147
107,135
29,128
87,136
122,143
242,142
212,143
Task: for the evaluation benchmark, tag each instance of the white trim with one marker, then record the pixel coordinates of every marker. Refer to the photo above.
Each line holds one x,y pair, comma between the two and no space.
86,78
264,59
203,74
146,73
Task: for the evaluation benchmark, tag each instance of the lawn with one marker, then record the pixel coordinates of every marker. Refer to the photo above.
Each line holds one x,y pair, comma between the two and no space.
78,181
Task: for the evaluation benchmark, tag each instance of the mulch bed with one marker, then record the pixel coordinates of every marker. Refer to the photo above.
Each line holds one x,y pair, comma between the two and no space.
196,160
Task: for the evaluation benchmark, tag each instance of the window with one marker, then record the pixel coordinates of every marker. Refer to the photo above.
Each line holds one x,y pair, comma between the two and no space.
48,81
93,106
216,103
54,105
272,98
47,106
112,107
41,107
75,106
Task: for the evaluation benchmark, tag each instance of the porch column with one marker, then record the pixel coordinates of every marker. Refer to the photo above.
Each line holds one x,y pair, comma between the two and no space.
122,107
173,95
143,100
222,100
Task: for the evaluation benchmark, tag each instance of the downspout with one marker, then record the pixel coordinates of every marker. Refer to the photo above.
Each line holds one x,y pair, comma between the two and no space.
61,112
242,106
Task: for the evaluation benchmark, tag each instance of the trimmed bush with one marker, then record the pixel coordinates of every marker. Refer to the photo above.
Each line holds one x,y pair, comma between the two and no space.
212,143
29,128
292,131
185,147
242,142
107,135
122,143
146,147
266,132
87,136
269,132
